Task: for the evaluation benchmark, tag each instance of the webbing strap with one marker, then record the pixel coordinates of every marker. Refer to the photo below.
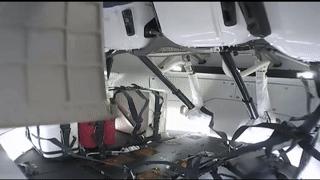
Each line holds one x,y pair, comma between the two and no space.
157,113
38,133
99,133
311,121
240,130
145,104
281,133
56,142
138,117
209,113
308,147
309,95
64,144
58,152
283,155
305,156
132,108
140,120
223,136
65,134
158,104
214,174
131,104
192,170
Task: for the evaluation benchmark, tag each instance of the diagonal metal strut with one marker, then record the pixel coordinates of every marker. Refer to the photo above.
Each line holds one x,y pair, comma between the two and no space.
228,60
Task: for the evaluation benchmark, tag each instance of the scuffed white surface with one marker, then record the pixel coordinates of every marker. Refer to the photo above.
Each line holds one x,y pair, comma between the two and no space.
200,24
114,29
15,143
295,28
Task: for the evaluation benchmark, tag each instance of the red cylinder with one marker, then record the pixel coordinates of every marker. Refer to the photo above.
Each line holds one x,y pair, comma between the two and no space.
86,134
109,132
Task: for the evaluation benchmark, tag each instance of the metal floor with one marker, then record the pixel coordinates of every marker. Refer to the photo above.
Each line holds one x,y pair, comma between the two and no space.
171,150
183,145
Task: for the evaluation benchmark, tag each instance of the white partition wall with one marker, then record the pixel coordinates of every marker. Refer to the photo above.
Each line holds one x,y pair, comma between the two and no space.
51,63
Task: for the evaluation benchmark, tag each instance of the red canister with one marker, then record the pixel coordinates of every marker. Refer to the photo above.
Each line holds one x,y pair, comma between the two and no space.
109,132
86,134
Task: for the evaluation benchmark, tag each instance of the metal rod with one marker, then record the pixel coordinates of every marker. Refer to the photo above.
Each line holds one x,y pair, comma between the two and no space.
171,86
228,60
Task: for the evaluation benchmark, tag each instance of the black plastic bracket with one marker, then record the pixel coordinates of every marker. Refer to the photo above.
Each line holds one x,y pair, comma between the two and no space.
256,18
128,22
229,13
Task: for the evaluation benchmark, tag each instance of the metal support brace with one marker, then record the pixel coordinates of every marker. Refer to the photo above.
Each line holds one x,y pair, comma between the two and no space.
228,60
173,89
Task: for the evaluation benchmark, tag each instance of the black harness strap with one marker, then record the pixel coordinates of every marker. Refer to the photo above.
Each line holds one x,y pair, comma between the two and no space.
309,95
231,143
137,118
211,114
140,119
56,142
99,135
38,135
309,98
282,133
310,150
214,174
223,136
157,115
65,134
64,144
192,170
305,156
157,110
283,155
239,131
145,104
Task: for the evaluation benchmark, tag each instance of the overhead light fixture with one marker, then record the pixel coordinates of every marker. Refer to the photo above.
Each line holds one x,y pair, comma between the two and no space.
306,75
176,68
